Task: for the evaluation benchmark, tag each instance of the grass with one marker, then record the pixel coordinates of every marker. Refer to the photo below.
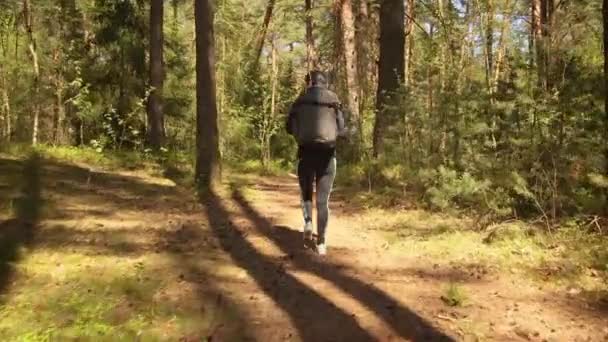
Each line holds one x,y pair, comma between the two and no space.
64,293
68,295
82,296
80,288
275,168
568,257
454,295
111,160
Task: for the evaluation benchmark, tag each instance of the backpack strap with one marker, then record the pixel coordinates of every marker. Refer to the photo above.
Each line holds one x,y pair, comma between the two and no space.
333,105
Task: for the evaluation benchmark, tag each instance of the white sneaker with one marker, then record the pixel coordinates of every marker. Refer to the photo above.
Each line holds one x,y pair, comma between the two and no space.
322,249
308,231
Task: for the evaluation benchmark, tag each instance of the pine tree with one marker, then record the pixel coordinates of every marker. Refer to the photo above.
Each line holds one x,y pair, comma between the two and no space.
156,126
208,167
391,65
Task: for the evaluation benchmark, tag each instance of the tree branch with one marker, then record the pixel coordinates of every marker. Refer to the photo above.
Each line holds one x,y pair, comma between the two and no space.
419,26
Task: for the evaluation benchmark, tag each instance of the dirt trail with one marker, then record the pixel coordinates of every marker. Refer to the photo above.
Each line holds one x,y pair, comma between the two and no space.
232,267
396,295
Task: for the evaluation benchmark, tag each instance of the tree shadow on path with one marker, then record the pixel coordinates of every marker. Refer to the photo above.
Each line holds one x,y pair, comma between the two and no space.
224,319
20,230
406,323
315,317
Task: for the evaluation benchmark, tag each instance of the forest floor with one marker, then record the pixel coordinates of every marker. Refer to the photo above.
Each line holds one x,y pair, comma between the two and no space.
92,254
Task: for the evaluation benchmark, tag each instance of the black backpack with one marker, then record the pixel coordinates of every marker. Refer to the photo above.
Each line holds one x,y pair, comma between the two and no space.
314,118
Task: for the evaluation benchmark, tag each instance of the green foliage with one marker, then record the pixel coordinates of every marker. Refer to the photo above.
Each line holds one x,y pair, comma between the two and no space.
454,295
514,150
82,100
447,187
255,166
598,180
460,136
93,64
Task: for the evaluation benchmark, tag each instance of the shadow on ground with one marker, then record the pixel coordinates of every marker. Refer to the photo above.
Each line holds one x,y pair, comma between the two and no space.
19,231
224,319
92,216
315,318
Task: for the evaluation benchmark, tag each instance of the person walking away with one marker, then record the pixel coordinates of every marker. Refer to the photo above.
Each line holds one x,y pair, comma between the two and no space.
316,120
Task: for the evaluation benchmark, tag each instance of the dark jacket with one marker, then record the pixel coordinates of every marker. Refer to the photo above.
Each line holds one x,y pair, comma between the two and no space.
313,101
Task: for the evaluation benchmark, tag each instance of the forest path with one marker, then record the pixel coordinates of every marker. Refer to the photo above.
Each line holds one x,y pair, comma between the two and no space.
126,255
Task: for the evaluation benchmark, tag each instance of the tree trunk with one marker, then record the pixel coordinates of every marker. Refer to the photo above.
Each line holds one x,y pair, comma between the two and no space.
267,129
350,59
81,133
550,56
441,129
16,44
546,19
543,46
605,15
535,33
274,66
430,99
27,13
59,129
498,68
5,109
489,49
156,129
311,53
502,42
222,76
391,65
363,37
7,112
443,61
262,36
337,61
373,29
409,41
208,163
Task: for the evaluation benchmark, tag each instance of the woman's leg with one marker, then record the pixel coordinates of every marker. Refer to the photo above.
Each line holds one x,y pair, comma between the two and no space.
306,176
325,180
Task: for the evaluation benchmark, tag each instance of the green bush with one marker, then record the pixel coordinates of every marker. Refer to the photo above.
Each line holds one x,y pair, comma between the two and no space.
446,187
454,295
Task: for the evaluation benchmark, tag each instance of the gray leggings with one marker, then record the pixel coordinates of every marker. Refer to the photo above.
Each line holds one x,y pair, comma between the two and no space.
319,171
